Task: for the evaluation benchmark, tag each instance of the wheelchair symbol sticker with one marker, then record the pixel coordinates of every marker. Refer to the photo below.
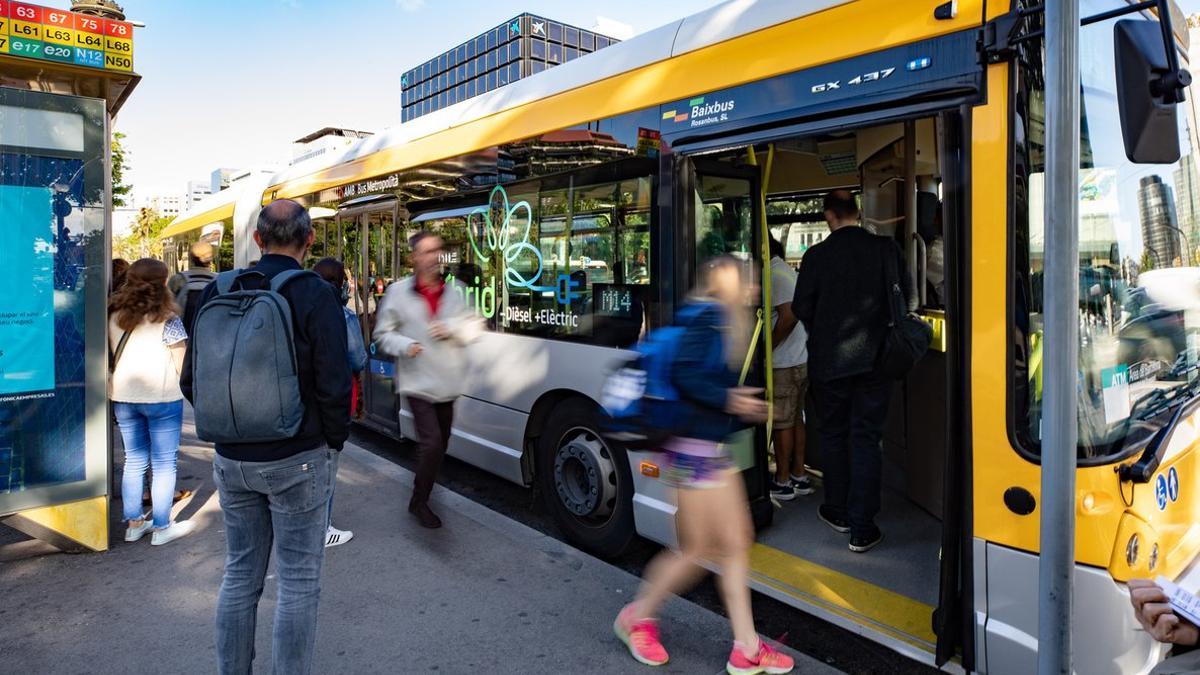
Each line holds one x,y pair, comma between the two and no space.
1173,485
1160,492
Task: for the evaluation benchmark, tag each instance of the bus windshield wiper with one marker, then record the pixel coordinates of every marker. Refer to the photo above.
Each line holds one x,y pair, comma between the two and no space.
1155,402
1152,404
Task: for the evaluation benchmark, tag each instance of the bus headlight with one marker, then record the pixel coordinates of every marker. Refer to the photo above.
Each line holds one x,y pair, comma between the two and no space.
1131,550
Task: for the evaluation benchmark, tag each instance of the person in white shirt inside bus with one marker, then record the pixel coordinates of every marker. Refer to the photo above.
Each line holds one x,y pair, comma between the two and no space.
790,373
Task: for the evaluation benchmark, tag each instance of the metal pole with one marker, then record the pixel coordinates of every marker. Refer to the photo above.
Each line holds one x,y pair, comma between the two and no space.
1059,422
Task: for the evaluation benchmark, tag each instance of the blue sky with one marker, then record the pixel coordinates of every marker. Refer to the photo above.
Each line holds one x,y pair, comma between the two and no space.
230,83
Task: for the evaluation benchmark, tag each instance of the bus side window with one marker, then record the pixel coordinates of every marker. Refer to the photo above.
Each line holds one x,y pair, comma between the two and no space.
585,237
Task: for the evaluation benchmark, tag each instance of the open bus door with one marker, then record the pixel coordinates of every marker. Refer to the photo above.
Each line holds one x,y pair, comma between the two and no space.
929,609
720,212
368,229
953,620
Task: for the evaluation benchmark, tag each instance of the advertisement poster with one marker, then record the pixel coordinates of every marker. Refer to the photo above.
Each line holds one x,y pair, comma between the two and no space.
1115,383
27,317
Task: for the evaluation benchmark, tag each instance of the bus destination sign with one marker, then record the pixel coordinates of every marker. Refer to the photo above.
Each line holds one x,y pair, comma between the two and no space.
36,32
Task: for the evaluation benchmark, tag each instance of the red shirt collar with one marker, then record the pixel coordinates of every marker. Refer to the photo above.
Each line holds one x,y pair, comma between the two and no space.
431,293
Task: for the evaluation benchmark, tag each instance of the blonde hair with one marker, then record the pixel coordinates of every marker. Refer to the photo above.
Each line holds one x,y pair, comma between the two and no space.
737,327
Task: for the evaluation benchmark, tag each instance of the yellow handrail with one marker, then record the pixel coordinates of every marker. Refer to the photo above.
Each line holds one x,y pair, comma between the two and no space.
765,253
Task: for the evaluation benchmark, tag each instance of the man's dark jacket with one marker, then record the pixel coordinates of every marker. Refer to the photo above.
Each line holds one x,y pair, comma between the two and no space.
319,331
841,299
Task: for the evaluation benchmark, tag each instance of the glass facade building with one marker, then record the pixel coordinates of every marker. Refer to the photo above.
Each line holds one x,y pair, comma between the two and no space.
518,48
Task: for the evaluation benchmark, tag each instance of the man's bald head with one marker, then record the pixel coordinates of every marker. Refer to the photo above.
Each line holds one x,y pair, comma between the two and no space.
284,227
841,209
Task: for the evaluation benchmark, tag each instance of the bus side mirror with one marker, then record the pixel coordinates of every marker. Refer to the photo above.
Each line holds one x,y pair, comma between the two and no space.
1147,92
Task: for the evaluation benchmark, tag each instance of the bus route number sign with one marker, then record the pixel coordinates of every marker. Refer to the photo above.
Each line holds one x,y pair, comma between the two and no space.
35,32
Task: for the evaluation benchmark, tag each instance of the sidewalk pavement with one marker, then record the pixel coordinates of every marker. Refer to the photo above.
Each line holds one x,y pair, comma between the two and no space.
483,594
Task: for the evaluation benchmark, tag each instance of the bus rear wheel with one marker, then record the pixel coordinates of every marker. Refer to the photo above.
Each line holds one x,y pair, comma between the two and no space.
585,480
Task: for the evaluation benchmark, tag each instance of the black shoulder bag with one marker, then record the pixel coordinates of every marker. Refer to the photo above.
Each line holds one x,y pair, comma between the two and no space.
114,357
908,337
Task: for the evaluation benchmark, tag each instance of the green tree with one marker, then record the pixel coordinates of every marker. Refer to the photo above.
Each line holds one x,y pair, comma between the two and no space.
1147,262
120,189
143,240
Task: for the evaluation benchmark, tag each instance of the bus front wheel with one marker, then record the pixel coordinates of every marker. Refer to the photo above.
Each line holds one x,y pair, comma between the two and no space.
585,480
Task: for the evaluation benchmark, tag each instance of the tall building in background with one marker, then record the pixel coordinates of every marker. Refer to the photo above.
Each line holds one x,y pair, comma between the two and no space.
1160,233
197,190
1187,203
524,46
220,179
167,205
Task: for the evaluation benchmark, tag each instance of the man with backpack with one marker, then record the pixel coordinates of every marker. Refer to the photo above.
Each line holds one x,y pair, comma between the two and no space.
266,371
188,286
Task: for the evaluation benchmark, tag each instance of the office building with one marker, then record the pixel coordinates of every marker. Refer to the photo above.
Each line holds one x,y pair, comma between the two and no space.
523,46
167,205
1160,233
1187,202
220,179
197,190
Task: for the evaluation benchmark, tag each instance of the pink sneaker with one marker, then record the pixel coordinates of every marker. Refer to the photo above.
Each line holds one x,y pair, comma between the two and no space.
641,637
768,660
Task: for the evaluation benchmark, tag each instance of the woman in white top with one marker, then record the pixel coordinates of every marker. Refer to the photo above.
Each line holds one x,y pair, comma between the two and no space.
147,343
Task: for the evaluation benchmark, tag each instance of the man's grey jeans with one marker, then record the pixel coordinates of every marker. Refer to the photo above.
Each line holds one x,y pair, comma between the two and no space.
283,502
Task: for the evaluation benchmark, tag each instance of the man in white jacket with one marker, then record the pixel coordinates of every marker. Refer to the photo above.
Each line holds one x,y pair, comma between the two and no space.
425,325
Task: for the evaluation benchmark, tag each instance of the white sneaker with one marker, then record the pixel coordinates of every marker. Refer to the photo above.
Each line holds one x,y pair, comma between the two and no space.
135,532
336,537
172,532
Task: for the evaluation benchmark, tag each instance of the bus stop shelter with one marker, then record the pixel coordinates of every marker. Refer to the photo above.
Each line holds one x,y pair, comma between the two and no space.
64,75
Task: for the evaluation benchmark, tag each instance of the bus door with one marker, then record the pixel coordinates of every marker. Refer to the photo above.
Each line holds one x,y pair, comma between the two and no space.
379,271
721,210
368,249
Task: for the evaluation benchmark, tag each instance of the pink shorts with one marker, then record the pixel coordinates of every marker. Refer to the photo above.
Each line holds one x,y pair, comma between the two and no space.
695,464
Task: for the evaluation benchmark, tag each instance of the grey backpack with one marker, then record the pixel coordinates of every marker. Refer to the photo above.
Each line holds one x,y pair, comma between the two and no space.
195,281
244,377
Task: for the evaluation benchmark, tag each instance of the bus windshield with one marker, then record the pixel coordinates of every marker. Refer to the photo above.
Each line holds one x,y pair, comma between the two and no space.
1139,259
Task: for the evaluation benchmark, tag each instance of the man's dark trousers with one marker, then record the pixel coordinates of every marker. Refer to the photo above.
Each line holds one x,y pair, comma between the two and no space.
851,412
432,421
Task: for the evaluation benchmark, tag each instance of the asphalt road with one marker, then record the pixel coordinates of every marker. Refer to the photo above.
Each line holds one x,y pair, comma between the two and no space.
807,634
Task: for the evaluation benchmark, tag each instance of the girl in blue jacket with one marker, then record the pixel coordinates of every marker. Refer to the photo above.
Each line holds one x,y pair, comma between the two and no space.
713,516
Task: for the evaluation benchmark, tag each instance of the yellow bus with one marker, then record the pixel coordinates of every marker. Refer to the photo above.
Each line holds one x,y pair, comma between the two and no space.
577,203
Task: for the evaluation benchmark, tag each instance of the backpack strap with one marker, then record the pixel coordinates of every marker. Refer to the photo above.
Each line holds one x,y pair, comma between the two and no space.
225,281
279,280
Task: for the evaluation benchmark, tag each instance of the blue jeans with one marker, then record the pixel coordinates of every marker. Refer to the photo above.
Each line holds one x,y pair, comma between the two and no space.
151,435
285,503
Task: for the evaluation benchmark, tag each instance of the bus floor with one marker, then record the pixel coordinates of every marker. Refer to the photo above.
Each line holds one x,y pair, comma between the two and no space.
905,562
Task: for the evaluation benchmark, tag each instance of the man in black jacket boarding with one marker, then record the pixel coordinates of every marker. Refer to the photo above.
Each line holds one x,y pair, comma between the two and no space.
842,300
